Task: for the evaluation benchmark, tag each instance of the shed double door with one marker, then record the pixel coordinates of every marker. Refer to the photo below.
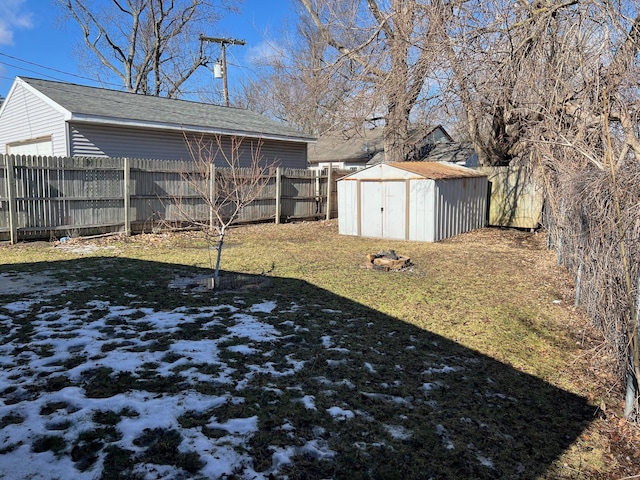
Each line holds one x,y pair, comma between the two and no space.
383,209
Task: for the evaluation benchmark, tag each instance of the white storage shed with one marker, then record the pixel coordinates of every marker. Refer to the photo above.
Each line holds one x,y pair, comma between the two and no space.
420,201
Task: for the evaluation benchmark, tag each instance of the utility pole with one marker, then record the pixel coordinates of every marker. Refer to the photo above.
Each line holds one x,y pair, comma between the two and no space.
223,44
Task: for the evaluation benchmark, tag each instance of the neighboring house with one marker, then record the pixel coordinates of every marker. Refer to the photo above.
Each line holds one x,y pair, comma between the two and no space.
41,117
460,153
353,152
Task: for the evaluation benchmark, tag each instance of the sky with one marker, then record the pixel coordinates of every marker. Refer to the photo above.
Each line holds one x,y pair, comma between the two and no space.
36,42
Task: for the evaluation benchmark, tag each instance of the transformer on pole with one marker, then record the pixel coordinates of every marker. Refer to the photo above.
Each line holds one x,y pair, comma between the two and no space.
220,68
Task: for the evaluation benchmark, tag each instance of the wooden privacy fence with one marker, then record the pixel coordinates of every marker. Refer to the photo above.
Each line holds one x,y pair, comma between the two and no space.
50,197
516,197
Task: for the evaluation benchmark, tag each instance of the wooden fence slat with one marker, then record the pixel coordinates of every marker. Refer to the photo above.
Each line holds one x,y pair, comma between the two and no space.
278,194
48,196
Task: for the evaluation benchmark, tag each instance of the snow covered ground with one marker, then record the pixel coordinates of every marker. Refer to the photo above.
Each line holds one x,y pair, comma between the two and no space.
253,390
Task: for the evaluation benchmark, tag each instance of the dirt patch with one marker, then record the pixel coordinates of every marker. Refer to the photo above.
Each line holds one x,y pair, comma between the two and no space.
80,246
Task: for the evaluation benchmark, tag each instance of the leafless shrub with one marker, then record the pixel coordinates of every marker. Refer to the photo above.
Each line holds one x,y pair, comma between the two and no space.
601,244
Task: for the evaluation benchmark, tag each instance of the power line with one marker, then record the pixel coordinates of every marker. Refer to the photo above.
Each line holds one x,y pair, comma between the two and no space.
28,70
51,69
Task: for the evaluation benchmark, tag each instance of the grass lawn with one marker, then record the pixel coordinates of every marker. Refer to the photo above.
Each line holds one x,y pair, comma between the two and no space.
117,363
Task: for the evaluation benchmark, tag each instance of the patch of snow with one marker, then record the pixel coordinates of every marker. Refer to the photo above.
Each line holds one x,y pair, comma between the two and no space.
43,284
407,402
340,414
398,432
238,426
441,369
249,327
443,433
264,307
484,461
340,350
336,363
19,306
244,349
309,402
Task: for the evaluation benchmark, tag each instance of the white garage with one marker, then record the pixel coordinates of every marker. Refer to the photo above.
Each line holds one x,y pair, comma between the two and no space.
38,146
421,201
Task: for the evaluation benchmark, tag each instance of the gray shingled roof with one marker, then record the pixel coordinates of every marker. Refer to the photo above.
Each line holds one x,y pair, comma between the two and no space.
452,152
362,146
91,104
347,147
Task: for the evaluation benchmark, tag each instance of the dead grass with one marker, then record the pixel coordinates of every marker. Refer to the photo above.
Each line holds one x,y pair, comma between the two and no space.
495,292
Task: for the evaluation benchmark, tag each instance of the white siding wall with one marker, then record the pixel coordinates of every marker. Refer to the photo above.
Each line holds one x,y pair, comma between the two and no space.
27,117
110,141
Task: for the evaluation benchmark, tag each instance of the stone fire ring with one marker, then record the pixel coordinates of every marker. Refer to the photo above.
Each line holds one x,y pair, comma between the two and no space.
386,261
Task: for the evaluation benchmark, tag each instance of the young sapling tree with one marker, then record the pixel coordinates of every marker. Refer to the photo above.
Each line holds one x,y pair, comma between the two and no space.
225,176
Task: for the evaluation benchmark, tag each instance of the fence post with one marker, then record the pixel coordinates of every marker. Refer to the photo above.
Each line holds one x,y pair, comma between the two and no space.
127,196
278,194
11,194
329,185
580,252
559,239
576,302
631,397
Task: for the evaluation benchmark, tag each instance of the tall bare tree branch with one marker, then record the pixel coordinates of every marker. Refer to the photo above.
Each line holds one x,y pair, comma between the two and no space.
151,46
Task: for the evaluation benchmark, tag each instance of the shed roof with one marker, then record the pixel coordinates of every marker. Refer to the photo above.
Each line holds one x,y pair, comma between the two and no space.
421,170
437,170
101,106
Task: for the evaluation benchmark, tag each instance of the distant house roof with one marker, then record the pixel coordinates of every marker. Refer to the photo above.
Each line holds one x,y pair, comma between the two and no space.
82,104
364,146
452,152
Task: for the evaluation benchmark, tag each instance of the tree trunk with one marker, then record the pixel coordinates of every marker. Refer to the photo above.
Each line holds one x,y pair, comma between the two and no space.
396,133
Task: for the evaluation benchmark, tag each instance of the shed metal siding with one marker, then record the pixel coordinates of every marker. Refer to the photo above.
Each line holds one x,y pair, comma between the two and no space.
460,206
110,141
394,224
348,211
25,116
421,210
403,203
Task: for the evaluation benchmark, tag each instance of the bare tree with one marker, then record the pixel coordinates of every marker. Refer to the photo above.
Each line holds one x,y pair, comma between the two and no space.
221,194
389,51
528,73
294,87
151,46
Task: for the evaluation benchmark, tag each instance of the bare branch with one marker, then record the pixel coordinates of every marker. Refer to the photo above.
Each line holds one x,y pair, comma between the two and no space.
154,42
